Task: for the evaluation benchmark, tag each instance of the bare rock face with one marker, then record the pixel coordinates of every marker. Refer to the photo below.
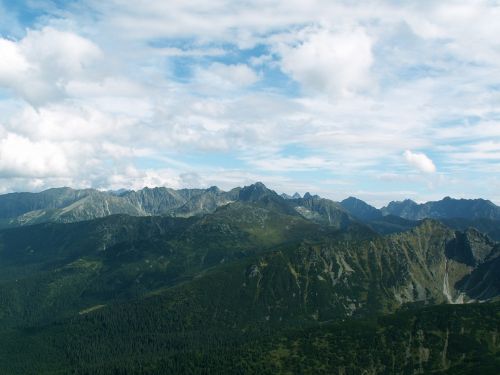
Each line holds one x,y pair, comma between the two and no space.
69,205
470,247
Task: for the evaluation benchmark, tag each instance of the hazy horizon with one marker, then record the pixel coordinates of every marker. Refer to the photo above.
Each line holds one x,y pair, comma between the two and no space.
290,193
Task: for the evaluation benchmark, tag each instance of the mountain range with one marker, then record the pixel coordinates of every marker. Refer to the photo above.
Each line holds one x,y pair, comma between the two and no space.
444,209
66,205
198,281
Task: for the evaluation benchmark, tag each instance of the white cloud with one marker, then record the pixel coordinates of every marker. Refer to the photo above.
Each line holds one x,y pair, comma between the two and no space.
191,52
238,74
284,164
13,62
39,66
59,53
469,27
333,62
70,122
163,80
219,78
21,157
419,161
133,178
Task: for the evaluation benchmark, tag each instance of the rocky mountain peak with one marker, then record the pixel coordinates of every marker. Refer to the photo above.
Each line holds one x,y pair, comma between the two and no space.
213,189
360,209
254,192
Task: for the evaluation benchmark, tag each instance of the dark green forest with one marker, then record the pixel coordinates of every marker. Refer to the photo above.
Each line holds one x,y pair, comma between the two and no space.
263,285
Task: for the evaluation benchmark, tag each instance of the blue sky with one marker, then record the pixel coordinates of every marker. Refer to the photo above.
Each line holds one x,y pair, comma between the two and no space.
382,100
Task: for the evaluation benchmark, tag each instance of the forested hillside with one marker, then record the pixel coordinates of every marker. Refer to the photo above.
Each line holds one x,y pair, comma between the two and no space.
260,285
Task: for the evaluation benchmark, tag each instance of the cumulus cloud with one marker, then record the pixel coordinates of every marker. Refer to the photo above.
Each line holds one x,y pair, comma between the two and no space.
332,62
39,66
420,161
20,156
69,122
146,92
